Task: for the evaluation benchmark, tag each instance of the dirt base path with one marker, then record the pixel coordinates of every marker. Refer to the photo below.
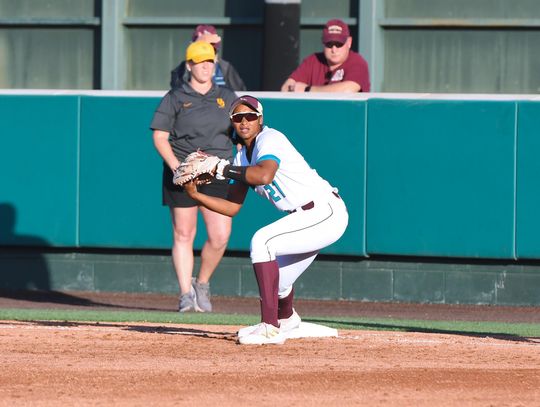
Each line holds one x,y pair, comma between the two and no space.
73,363
46,364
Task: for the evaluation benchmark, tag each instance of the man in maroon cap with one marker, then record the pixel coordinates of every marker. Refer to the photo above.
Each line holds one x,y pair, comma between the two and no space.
336,69
225,74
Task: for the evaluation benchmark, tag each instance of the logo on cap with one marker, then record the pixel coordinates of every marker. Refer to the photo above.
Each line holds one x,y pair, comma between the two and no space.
335,29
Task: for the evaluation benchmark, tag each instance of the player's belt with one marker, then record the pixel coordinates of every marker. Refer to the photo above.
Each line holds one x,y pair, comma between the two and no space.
306,207
311,205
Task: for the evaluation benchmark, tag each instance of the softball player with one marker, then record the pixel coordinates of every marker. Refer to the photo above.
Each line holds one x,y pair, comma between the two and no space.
283,250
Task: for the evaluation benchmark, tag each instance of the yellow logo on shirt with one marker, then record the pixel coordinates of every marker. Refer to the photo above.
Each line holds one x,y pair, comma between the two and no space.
220,102
186,104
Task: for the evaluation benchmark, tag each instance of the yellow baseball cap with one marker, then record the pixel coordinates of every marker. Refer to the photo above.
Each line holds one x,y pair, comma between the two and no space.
200,51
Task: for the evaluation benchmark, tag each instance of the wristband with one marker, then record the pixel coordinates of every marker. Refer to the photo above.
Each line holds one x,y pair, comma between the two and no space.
236,172
307,88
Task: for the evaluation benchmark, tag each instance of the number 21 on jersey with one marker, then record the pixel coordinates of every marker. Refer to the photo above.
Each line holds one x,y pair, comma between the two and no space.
274,191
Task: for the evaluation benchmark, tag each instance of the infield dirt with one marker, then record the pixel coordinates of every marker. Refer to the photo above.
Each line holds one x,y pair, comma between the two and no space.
138,364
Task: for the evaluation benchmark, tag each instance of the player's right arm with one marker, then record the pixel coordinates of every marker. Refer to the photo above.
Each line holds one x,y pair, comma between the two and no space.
228,207
262,173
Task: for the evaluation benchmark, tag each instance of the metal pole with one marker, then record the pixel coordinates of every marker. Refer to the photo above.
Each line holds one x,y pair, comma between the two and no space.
281,41
371,37
113,74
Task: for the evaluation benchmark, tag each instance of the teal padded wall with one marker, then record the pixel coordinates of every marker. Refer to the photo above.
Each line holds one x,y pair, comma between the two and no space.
38,165
121,172
444,177
528,185
441,178
120,175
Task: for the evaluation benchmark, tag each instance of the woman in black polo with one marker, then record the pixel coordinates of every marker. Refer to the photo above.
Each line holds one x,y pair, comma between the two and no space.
190,117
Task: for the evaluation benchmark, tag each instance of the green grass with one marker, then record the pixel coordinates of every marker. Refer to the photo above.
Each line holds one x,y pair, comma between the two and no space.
493,329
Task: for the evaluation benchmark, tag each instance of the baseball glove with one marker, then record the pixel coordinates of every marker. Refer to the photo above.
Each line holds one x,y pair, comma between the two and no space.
198,166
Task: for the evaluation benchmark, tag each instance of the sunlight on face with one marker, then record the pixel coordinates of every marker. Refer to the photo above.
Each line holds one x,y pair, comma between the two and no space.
246,130
203,71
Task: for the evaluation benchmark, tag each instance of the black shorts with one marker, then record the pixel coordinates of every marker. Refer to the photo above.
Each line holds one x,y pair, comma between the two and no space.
174,196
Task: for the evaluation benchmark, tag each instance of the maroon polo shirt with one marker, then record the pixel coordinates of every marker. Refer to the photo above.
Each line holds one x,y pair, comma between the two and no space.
315,71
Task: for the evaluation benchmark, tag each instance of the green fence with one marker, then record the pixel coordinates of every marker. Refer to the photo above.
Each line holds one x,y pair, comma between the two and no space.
528,181
39,181
442,177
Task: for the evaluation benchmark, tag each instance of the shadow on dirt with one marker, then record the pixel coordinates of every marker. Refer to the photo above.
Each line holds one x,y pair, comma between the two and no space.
41,296
405,328
60,298
166,330
201,333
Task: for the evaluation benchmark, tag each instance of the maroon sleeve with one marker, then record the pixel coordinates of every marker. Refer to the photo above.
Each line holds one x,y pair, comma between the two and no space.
357,71
303,72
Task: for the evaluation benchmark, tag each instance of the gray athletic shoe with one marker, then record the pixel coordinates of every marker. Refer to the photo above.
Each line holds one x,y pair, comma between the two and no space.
202,296
187,302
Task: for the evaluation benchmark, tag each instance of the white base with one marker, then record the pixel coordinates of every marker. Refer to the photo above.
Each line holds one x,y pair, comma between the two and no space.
309,330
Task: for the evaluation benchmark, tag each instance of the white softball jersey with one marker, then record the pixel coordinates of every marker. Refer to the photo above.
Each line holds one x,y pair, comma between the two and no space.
295,239
295,182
